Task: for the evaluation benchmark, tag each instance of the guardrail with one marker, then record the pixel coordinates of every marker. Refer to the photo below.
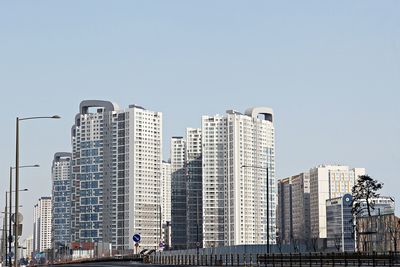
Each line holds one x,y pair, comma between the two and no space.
276,260
135,257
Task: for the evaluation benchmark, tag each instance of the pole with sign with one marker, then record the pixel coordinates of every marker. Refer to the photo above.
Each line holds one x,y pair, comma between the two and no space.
136,238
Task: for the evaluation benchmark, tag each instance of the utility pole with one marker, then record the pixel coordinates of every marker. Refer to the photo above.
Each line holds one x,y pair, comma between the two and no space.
5,232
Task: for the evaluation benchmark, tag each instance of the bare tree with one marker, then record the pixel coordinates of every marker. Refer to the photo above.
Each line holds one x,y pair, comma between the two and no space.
302,239
278,240
393,228
296,244
314,238
338,242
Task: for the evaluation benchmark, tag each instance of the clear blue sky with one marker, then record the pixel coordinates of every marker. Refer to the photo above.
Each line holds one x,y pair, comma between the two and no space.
329,69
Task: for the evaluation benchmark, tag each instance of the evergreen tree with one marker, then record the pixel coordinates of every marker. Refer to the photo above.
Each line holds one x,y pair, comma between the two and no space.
363,191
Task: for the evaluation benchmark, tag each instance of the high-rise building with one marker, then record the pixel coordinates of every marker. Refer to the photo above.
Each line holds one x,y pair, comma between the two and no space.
293,218
166,191
327,182
61,204
193,164
285,211
42,225
27,245
116,174
178,193
194,188
187,190
339,224
238,156
166,202
301,207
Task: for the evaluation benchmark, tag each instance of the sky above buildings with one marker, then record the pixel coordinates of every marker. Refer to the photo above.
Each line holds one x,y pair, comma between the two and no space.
329,69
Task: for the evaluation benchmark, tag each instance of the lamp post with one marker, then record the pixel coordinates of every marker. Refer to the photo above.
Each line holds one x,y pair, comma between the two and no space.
17,177
7,214
4,241
267,170
5,230
10,203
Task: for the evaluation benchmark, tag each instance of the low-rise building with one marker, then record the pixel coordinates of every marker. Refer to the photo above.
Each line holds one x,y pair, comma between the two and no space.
339,224
379,233
379,206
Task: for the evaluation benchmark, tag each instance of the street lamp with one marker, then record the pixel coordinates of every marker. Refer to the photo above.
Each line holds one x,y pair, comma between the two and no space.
267,170
10,201
17,176
4,241
10,239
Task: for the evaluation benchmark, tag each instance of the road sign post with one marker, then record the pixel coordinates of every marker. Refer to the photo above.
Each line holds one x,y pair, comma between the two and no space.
136,238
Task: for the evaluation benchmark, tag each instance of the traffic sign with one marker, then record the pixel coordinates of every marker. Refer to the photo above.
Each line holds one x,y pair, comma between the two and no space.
136,238
161,244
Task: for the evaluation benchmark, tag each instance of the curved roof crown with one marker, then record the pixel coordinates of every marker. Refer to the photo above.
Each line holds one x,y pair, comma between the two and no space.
59,155
253,112
107,105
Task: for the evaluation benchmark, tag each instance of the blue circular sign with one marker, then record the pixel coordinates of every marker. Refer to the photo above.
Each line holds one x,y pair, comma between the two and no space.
136,238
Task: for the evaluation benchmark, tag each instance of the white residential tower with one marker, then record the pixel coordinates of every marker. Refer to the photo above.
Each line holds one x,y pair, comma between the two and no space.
238,155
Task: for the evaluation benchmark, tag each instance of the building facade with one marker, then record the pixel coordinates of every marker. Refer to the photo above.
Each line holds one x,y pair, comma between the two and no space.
379,206
61,204
301,208
339,224
187,203
378,233
42,225
166,203
285,211
178,193
327,182
166,191
27,245
238,158
116,175
194,188
293,212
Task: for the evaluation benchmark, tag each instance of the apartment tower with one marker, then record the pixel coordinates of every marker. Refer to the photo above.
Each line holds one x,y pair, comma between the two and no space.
187,190
61,204
178,193
42,225
194,188
238,155
293,218
116,174
166,191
